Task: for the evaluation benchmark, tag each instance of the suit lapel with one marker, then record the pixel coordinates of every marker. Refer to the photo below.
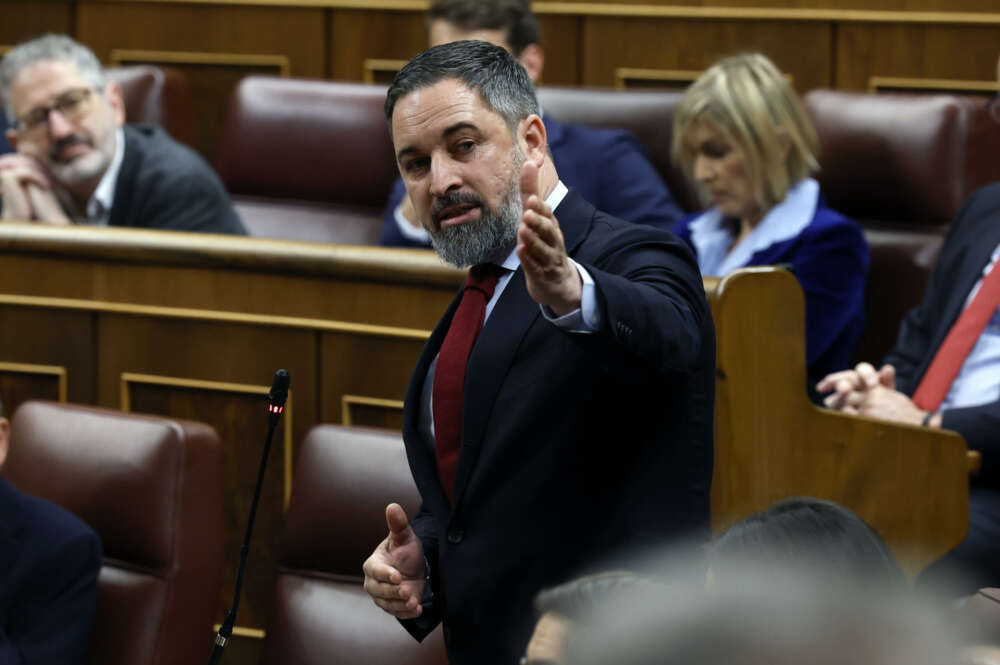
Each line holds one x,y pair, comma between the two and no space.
513,315
420,453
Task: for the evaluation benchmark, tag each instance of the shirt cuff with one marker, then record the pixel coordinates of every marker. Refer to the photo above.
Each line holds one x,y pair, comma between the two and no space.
409,231
586,319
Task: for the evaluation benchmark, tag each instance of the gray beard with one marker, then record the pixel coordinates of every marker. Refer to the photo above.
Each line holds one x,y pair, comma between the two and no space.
490,239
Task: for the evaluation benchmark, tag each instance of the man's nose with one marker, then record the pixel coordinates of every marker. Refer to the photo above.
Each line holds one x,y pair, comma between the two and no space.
444,177
59,126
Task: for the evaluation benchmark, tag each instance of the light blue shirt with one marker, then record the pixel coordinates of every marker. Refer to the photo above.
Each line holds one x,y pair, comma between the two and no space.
784,221
978,382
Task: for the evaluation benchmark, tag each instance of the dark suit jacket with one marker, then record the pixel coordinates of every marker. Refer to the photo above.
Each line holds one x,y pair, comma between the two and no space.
4,145
575,447
973,237
49,562
165,185
606,166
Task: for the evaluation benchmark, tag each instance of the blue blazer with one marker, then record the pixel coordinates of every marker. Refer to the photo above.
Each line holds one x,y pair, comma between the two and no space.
49,562
830,260
606,166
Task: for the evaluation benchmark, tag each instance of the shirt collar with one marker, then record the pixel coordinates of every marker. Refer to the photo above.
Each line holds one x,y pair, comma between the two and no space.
99,205
783,221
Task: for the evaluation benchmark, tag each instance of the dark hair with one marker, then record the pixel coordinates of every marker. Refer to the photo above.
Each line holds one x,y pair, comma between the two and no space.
514,16
580,597
804,531
495,74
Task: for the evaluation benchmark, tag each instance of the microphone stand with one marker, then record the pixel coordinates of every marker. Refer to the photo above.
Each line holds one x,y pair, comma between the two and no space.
275,407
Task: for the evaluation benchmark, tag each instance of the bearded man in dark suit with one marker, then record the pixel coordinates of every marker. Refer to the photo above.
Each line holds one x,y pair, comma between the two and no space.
575,424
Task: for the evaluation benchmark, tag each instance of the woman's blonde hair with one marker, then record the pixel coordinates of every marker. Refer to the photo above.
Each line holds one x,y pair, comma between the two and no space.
747,99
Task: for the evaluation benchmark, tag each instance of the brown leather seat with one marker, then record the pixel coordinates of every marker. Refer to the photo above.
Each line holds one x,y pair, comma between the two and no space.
157,96
308,160
649,114
151,489
901,166
344,478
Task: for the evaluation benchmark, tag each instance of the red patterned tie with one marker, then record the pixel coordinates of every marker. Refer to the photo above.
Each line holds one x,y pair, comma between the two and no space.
956,346
449,374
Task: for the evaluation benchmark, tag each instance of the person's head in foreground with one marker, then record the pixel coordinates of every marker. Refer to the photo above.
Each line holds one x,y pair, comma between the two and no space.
742,135
764,617
507,23
62,110
807,532
560,607
464,120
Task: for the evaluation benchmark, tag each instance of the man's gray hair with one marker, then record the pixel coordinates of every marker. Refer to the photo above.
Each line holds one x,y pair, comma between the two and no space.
491,71
47,47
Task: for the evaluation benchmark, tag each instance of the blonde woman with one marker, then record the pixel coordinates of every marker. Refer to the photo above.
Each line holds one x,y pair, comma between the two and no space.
742,135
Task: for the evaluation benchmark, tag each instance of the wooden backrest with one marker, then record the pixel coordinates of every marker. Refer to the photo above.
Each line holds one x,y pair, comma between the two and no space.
771,442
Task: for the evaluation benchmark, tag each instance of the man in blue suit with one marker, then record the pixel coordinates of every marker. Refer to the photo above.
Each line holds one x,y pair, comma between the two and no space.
607,167
49,562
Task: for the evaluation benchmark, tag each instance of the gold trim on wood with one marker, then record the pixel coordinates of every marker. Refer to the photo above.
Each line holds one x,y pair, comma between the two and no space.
347,401
625,74
371,66
57,371
612,9
220,386
217,316
131,56
240,631
891,83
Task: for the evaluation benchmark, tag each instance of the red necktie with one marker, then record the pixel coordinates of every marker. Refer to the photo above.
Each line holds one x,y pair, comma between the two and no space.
956,346
449,374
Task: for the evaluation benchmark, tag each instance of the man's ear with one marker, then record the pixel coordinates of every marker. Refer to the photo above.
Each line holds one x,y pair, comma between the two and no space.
4,439
534,141
532,58
116,101
11,136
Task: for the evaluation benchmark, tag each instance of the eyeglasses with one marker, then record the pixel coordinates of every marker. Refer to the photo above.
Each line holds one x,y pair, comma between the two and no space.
72,105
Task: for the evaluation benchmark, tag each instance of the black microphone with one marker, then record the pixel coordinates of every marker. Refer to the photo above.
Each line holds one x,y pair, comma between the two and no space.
276,399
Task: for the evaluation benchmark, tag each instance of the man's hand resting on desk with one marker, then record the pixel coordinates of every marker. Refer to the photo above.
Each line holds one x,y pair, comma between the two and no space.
394,573
27,192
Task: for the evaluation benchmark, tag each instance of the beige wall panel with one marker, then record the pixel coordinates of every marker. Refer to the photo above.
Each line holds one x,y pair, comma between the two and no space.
915,51
356,35
801,49
50,337
365,366
23,19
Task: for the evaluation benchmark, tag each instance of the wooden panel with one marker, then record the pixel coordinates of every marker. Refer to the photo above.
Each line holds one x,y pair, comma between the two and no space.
238,417
357,35
294,34
915,51
52,337
218,374
21,382
373,367
562,38
801,49
24,19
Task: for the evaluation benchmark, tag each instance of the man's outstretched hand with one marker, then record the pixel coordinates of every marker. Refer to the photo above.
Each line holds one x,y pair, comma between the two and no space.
551,277
394,573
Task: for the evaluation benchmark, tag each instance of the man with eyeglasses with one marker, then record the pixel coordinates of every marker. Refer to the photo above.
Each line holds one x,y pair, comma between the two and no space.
78,163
